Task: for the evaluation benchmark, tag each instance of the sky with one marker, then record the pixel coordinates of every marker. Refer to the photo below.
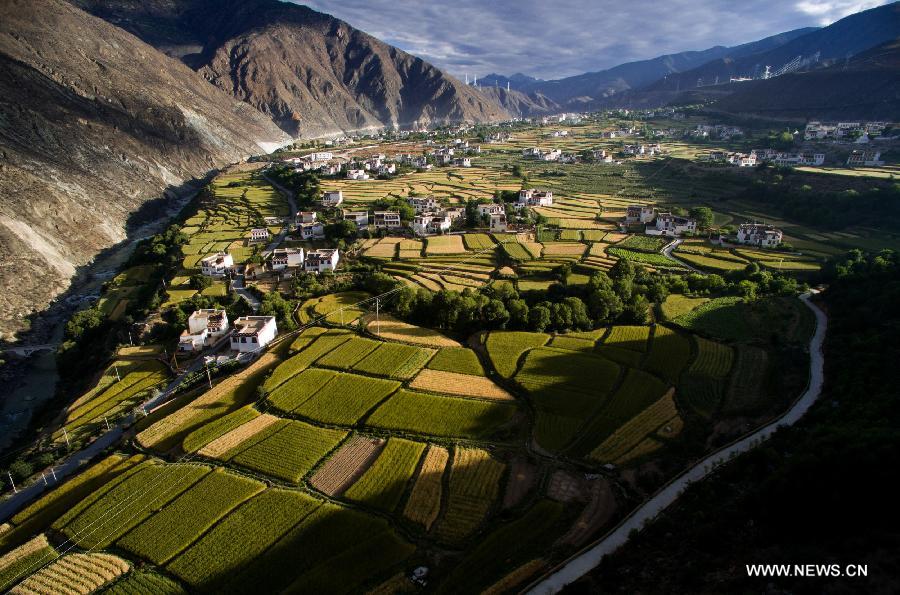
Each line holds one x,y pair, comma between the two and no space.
566,37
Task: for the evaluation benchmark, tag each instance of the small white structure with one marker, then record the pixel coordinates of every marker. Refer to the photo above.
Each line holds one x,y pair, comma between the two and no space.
311,231
490,208
283,258
431,223
639,214
864,158
668,224
252,333
217,265
357,174
759,234
535,198
361,218
205,327
423,203
259,234
321,260
333,198
462,162
305,217
498,222
386,220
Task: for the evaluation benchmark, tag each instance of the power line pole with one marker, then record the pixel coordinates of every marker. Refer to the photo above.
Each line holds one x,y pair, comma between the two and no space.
15,491
66,434
377,319
208,376
118,378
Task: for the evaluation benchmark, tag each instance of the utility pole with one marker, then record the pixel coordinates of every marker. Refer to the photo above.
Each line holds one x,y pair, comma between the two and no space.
44,477
130,341
107,423
53,473
66,434
118,378
15,491
208,376
377,319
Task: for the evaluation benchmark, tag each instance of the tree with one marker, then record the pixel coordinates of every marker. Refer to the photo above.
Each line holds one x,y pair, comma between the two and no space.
495,314
341,230
200,282
539,318
21,469
703,216
604,305
518,313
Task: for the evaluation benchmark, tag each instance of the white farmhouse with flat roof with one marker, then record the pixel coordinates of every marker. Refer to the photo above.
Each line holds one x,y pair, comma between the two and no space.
321,260
252,333
283,258
205,327
759,234
259,234
216,265
333,198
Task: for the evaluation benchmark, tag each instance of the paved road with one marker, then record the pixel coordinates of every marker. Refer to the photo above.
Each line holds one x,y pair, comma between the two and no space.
237,284
667,252
292,205
589,558
75,461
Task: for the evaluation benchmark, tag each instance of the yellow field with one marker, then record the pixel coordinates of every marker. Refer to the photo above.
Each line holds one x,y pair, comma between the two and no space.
397,330
459,384
242,433
425,499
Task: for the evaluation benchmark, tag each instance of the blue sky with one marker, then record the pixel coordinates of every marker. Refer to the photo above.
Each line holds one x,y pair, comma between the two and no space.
567,37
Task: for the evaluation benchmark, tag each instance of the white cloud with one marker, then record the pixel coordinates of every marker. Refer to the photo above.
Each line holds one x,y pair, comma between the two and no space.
567,37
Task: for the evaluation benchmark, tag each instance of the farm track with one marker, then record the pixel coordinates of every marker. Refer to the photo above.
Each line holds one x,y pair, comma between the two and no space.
588,558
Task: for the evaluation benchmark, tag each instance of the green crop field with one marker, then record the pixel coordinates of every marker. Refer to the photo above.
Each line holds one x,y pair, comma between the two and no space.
426,414
348,353
345,399
652,259
141,582
300,388
701,393
240,537
676,305
628,337
456,359
478,241
134,499
670,353
384,483
168,532
713,359
637,392
289,453
572,343
505,349
651,244
748,381
395,360
474,486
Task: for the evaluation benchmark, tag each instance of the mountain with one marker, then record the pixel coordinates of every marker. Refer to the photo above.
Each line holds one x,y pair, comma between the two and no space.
579,92
520,103
93,124
516,81
838,41
865,87
311,73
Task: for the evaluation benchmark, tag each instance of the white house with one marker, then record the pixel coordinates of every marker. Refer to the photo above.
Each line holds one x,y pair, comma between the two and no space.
430,223
321,260
498,222
333,198
490,208
639,214
205,327
357,174
283,258
252,333
535,198
759,234
423,203
216,265
321,156
386,220
462,162
259,234
668,224
311,231
304,217
361,218
864,158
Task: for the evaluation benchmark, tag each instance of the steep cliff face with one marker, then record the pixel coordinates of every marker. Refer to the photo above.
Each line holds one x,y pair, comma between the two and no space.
94,123
311,73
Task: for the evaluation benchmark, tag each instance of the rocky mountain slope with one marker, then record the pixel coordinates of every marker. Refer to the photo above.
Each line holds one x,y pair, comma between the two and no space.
519,103
311,73
94,123
826,93
834,43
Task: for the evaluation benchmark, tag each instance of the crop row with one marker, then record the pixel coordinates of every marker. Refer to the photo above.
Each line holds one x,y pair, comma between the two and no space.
629,337
635,430
395,360
474,486
424,502
505,349
434,415
384,483
670,353
713,359
456,359
291,452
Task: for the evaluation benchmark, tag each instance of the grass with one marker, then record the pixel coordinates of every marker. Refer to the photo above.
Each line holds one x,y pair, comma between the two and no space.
676,305
291,452
384,483
474,486
506,347
345,399
670,353
168,532
424,502
433,415
394,360
457,359
628,337
242,536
